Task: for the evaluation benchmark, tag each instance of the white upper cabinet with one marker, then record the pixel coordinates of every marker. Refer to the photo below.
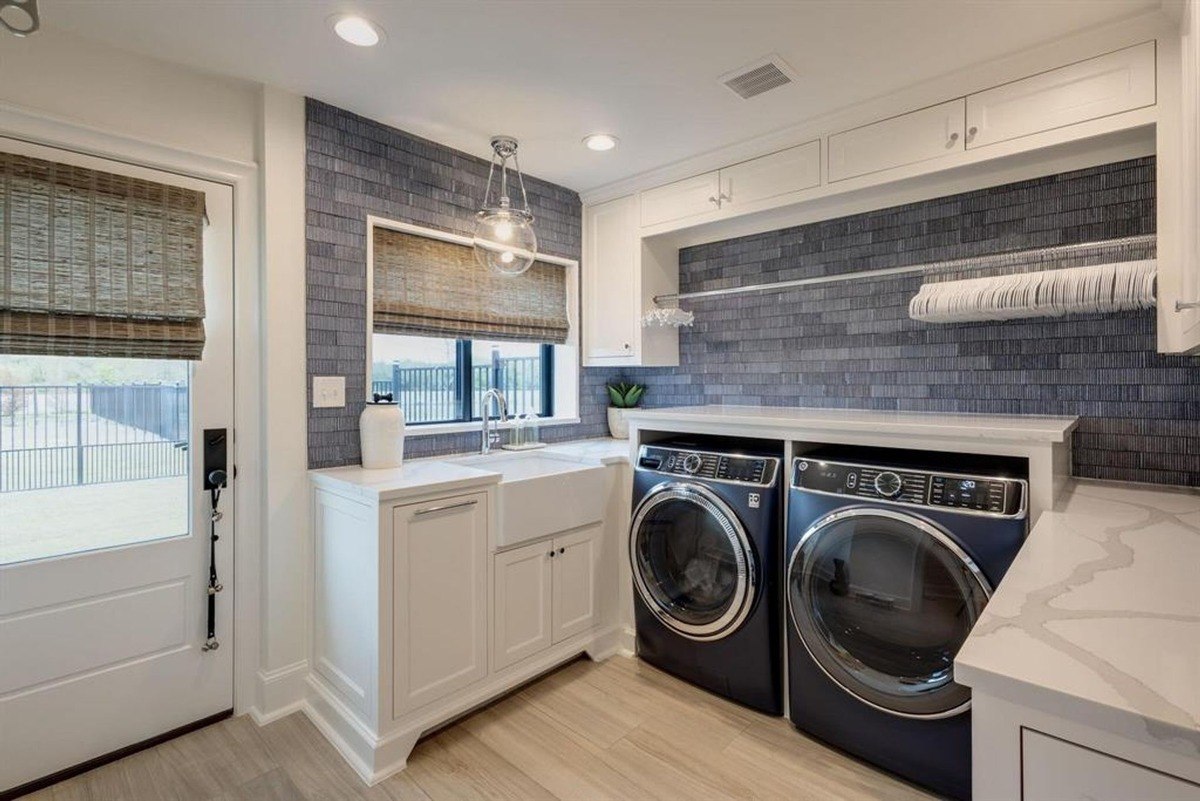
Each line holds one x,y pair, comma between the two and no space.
1099,87
686,198
930,133
790,170
610,313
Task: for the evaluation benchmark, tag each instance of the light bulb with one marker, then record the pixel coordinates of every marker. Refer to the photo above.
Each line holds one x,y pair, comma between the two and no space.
504,231
357,30
507,257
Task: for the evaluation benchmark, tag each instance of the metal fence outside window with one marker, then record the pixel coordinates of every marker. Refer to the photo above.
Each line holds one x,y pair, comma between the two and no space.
430,394
66,435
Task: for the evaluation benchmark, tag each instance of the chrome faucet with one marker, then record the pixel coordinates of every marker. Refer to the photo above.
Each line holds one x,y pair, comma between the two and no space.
491,435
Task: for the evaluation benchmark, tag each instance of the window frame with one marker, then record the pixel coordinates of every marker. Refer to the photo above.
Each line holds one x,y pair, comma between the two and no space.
564,385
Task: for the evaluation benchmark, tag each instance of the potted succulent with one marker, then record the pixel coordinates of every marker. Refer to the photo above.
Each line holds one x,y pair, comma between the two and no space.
622,397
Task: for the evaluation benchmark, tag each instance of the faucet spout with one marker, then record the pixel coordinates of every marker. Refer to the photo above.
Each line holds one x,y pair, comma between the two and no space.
490,435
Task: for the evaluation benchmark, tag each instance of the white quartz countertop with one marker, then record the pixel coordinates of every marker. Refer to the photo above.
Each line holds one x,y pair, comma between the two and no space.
924,424
438,474
1098,619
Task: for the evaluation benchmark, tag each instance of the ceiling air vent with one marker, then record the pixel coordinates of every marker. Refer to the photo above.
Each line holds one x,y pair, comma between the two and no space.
760,76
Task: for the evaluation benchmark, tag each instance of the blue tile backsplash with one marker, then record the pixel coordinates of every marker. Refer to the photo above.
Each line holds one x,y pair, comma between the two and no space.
847,345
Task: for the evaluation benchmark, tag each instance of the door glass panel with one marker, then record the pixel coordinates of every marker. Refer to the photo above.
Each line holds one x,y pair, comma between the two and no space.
884,606
93,453
688,562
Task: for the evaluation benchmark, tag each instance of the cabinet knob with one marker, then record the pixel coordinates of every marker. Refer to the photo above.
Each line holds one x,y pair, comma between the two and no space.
954,137
551,554
626,346
562,550
974,129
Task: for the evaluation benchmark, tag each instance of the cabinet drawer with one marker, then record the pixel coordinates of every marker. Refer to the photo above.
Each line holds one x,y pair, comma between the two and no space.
1057,770
910,138
788,170
1088,90
685,198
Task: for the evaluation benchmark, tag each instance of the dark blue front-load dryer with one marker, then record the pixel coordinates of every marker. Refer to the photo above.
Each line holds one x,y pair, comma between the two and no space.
890,563
705,546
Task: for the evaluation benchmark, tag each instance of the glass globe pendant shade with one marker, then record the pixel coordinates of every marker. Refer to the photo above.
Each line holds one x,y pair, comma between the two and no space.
504,239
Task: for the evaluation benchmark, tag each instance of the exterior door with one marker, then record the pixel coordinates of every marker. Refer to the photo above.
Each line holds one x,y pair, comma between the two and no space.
882,601
692,562
104,533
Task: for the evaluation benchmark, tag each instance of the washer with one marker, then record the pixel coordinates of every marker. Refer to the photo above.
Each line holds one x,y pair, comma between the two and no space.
890,563
705,550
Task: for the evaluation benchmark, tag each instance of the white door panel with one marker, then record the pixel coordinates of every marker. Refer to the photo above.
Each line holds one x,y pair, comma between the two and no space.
776,174
101,635
922,135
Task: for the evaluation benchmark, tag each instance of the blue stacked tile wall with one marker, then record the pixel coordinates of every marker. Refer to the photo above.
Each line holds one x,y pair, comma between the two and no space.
358,167
852,345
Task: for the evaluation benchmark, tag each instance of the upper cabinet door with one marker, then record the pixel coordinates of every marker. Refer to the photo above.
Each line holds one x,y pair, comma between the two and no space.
610,285
918,136
1087,90
790,170
686,198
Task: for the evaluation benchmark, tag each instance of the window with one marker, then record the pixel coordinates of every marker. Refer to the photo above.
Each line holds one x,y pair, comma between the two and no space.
440,380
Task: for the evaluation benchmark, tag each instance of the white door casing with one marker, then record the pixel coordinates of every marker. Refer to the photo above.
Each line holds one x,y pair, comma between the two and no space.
109,640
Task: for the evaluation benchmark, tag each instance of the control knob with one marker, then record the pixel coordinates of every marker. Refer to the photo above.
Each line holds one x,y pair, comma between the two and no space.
888,484
692,463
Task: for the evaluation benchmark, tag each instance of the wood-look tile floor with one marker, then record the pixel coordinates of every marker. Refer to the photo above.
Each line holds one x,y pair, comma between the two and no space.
615,730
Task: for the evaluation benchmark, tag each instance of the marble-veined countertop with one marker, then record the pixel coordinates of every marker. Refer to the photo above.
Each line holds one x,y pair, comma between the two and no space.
1098,619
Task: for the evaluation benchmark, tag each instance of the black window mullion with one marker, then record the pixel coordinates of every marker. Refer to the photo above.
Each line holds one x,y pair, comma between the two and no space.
466,390
547,380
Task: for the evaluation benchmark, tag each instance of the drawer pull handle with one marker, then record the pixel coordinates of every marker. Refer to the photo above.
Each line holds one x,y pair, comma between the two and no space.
446,508
1181,305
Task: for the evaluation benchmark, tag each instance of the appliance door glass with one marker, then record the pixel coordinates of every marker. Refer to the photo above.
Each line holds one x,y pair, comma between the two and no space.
883,601
692,561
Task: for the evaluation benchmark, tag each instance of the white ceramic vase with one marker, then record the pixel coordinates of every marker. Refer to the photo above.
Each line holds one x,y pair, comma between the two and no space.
618,425
381,434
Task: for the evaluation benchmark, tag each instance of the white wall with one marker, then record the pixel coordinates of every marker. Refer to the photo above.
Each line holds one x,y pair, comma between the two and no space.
285,548
75,79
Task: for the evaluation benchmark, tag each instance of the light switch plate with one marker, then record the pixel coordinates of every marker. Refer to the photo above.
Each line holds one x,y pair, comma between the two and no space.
329,391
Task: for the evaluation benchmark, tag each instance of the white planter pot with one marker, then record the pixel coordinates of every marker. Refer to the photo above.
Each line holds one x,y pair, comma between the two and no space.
618,424
381,435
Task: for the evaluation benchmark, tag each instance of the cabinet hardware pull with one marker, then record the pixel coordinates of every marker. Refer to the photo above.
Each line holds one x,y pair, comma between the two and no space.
551,554
445,508
714,199
954,137
1182,305
626,346
974,129
562,551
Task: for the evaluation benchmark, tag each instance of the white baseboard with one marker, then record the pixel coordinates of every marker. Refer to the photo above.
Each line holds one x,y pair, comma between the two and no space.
627,642
279,692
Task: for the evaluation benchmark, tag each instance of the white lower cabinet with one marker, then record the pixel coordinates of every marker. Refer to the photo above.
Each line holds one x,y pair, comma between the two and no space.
439,581
1053,769
545,593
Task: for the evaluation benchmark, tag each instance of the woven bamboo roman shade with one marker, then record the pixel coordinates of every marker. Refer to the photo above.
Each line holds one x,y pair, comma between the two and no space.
97,264
435,288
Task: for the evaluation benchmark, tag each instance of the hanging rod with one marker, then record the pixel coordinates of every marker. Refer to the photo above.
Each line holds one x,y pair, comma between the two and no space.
970,263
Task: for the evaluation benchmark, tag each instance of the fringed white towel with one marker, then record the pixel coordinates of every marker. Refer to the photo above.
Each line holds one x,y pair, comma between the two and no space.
1048,293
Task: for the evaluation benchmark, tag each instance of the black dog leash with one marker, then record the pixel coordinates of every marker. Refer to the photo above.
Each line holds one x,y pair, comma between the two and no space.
217,480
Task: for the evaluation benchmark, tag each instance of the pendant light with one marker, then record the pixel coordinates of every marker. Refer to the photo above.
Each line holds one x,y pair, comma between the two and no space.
504,237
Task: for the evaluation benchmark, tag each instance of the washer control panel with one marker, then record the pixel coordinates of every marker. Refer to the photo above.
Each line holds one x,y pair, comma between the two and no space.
990,495
733,468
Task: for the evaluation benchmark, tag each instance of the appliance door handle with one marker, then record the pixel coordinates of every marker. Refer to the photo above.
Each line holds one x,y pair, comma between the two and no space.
446,508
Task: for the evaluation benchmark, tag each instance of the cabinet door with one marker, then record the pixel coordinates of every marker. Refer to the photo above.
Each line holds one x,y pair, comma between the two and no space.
439,590
611,317
575,560
1098,87
788,170
681,200
522,603
919,136
1056,770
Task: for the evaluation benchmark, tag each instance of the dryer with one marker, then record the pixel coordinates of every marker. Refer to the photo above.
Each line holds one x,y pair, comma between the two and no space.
890,562
705,548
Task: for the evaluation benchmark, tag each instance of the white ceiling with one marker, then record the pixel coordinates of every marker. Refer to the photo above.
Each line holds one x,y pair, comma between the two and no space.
551,71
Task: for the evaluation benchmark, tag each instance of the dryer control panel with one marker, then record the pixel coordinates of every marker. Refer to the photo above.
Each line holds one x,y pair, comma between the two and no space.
990,495
728,467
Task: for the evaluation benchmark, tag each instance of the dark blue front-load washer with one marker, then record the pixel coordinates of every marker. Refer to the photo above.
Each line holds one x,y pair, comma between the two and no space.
890,563
705,547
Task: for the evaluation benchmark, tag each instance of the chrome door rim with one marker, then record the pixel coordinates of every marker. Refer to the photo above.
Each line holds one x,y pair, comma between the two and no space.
917,522
744,593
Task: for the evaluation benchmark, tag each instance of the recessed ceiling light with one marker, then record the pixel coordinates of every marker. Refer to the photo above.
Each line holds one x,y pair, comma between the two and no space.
600,141
357,30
